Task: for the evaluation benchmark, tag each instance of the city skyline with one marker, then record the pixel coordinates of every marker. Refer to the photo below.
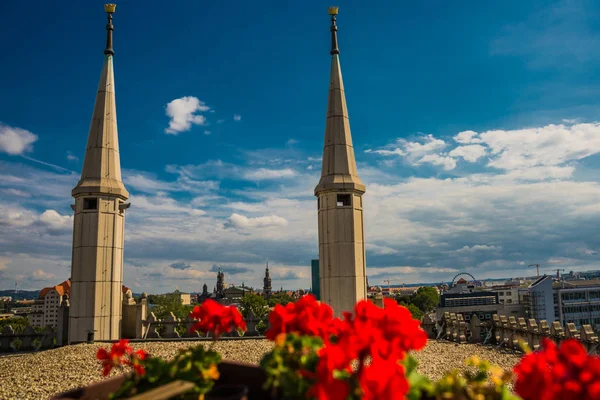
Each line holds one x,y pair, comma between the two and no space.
480,152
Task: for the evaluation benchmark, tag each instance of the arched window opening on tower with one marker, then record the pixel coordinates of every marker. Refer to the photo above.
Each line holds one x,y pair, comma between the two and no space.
318,203
90,203
344,200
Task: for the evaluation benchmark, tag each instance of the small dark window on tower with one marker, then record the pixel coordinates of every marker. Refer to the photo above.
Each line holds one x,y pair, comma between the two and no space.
344,200
90,203
318,203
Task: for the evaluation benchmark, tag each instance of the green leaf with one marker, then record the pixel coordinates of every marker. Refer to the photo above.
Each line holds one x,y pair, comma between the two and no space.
508,395
410,364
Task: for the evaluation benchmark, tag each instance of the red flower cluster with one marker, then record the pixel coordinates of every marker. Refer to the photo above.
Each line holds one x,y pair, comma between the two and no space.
566,373
216,318
121,354
305,317
376,338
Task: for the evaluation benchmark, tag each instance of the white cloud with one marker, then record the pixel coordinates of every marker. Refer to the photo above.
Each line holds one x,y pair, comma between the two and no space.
381,250
266,174
16,141
383,152
207,132
469,153
292,142
241,221
237,117
16,216
548,145
72,157
56,221
182,112
41,275
477,247
220,121
448,163
466,137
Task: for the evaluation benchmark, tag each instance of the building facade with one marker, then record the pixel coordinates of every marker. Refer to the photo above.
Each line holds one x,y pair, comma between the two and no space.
99,221
44,311
342,268
314,272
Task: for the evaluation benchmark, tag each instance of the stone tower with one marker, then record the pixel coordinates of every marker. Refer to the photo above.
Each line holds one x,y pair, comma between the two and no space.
97,264
220,283
267,284
339,193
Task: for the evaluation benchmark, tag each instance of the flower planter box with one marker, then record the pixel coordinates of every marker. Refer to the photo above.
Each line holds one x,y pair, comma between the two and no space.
233,378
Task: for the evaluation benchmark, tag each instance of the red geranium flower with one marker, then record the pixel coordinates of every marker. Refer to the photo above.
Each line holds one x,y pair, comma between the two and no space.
305,317
216,318
564,373
115,357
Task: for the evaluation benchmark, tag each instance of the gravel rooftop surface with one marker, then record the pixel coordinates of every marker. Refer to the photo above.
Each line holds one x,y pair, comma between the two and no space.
41,375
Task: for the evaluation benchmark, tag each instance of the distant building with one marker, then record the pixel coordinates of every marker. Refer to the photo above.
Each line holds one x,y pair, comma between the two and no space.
7,299
484,304
267,284
45,308
576,301
316,286
234,294
185,298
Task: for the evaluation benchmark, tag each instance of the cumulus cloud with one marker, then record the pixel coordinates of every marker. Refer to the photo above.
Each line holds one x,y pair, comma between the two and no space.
448,163
182,112
544,146
267,174
241,221
286,274
41,275
477,247
470,153
55,221
237,117
230,269
16,141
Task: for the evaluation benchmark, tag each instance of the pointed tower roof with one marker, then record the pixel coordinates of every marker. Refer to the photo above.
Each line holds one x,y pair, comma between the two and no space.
101,173
339,166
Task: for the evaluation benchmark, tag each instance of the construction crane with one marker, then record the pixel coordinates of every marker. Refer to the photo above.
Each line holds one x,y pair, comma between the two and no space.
389,286
537,267
558,273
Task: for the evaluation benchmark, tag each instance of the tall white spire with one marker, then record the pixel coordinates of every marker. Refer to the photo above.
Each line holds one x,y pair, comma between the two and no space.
342,268
99,221
102,165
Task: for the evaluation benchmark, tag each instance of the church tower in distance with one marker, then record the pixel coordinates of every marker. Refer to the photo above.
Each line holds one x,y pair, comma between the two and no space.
99,222
342,267
267,284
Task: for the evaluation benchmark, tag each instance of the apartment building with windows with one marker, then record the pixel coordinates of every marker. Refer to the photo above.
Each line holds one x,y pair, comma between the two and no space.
45,308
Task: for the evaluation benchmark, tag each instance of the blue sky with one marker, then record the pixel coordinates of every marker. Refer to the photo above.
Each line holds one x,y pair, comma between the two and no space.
475,128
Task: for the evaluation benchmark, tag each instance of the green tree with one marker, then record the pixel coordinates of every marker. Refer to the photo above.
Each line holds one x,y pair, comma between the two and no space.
426,298
255,303
415,311
280,298
163,305
17,323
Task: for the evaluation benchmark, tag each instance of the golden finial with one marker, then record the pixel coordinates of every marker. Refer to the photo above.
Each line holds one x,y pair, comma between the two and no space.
110,8
333,10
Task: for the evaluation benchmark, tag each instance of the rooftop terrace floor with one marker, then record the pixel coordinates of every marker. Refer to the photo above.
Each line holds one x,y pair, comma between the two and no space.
40,375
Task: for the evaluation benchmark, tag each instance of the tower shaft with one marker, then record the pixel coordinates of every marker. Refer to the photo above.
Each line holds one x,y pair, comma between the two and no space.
99,221
342,267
